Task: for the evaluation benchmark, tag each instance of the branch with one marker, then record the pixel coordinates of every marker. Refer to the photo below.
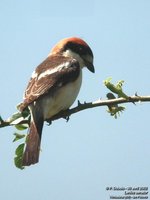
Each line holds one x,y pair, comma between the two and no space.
66,114
98,103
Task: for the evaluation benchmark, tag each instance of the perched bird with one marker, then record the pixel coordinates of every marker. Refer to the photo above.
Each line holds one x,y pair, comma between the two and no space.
53,87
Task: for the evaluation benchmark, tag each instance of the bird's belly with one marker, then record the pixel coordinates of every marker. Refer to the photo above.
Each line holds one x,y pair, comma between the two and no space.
62,99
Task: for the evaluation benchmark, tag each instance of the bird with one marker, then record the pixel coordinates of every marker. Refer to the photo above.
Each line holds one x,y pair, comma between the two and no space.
52,88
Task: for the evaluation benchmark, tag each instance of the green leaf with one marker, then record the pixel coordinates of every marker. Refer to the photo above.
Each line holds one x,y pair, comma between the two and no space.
14,117
117,89
18,162
18,117
18,136
114,109
1,120
19,156
26,113
19,150
21,127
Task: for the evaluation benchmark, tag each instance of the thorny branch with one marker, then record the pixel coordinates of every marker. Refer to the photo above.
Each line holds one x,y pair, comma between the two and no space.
83,106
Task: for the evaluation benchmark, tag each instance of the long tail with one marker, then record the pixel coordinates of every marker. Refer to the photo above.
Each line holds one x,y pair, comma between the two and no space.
31,154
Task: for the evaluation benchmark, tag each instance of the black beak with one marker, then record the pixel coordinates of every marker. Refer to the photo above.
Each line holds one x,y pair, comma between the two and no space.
90,66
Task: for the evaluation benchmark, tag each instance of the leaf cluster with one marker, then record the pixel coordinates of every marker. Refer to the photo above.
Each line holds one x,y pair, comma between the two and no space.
114,109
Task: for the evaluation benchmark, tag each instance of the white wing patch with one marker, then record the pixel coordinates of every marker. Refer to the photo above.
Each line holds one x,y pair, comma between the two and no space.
56,69
34,74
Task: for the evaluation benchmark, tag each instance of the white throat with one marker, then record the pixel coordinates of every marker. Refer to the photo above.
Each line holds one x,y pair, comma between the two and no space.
69,53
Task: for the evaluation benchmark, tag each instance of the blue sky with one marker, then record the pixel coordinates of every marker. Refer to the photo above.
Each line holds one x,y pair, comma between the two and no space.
92,151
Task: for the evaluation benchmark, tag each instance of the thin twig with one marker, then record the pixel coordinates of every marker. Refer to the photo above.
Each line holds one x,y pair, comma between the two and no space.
66,114
99,103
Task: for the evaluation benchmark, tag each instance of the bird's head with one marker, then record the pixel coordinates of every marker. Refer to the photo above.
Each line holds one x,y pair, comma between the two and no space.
77,49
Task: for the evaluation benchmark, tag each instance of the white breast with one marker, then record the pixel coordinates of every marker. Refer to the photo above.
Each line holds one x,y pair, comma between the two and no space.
62,99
